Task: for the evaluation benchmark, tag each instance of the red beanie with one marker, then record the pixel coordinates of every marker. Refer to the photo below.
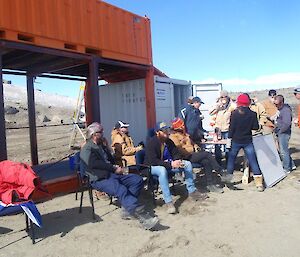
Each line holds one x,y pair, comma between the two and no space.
243,100
177,124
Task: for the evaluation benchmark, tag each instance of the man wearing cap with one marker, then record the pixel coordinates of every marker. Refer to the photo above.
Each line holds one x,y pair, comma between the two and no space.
297,95
222,111
186,148
242,122
109,178
122,144
183,110
193,121
271,110
163,156
283,132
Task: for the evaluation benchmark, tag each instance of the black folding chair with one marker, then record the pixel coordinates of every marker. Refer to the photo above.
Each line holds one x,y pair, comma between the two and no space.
84,184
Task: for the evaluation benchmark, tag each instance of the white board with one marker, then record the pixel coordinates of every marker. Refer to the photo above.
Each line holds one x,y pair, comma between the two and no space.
268,159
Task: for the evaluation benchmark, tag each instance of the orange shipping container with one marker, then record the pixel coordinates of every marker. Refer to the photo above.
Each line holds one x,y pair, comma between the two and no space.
86,26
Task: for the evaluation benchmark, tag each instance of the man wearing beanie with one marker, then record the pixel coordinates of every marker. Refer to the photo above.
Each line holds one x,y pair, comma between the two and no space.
222,112
242,122
187,149
109,178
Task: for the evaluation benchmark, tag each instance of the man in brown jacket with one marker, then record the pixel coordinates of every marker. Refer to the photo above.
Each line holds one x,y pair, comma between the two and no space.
262,116
222,112
271,110
186,147
123,146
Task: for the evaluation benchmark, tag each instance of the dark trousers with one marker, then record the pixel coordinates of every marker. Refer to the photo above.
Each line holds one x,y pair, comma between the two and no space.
125,187
208,162
221,148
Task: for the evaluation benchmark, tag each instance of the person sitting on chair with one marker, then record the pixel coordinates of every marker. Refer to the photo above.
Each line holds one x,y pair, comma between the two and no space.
163,157
122,144
109,178
187,149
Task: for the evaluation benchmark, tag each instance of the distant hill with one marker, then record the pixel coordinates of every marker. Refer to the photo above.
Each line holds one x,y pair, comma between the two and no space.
50,108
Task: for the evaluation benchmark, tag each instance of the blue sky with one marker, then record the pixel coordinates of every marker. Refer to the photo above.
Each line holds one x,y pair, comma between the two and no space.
243,44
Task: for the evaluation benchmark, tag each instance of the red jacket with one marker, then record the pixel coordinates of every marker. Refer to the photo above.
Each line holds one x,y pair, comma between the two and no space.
16,179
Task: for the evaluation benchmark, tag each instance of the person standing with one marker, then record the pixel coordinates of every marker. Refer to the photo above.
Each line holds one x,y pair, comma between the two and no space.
271,110
283,132
183,110
193,121
297,95
262,116
242,122
222,112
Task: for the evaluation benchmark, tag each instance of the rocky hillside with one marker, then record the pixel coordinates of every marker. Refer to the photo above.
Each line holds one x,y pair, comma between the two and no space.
50,108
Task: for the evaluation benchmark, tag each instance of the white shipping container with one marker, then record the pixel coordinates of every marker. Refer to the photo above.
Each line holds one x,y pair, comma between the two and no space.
126,101
208,94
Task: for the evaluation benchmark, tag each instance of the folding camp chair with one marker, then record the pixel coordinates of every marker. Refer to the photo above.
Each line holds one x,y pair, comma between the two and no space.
32,215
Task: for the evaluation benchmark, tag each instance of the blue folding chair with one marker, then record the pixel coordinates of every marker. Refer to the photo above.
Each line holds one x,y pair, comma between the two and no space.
32,215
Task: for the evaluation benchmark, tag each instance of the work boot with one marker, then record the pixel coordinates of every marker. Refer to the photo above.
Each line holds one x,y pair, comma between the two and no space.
215,189
170,208
125,215
197,196
147,221
258,180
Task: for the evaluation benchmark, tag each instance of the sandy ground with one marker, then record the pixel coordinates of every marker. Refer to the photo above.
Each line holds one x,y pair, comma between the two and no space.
237,223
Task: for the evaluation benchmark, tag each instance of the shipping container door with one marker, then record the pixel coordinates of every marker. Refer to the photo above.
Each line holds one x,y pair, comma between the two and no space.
124,101
164,100
208,94
181,94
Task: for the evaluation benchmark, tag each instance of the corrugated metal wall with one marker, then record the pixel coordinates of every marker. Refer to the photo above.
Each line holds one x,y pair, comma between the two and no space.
88,26
124,101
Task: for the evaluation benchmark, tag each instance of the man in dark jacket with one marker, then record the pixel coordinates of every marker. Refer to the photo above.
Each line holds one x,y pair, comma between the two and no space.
109,178
193,120
163,157
283,132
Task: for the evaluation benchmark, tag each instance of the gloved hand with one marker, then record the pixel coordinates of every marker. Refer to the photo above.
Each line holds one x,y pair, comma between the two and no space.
228,143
